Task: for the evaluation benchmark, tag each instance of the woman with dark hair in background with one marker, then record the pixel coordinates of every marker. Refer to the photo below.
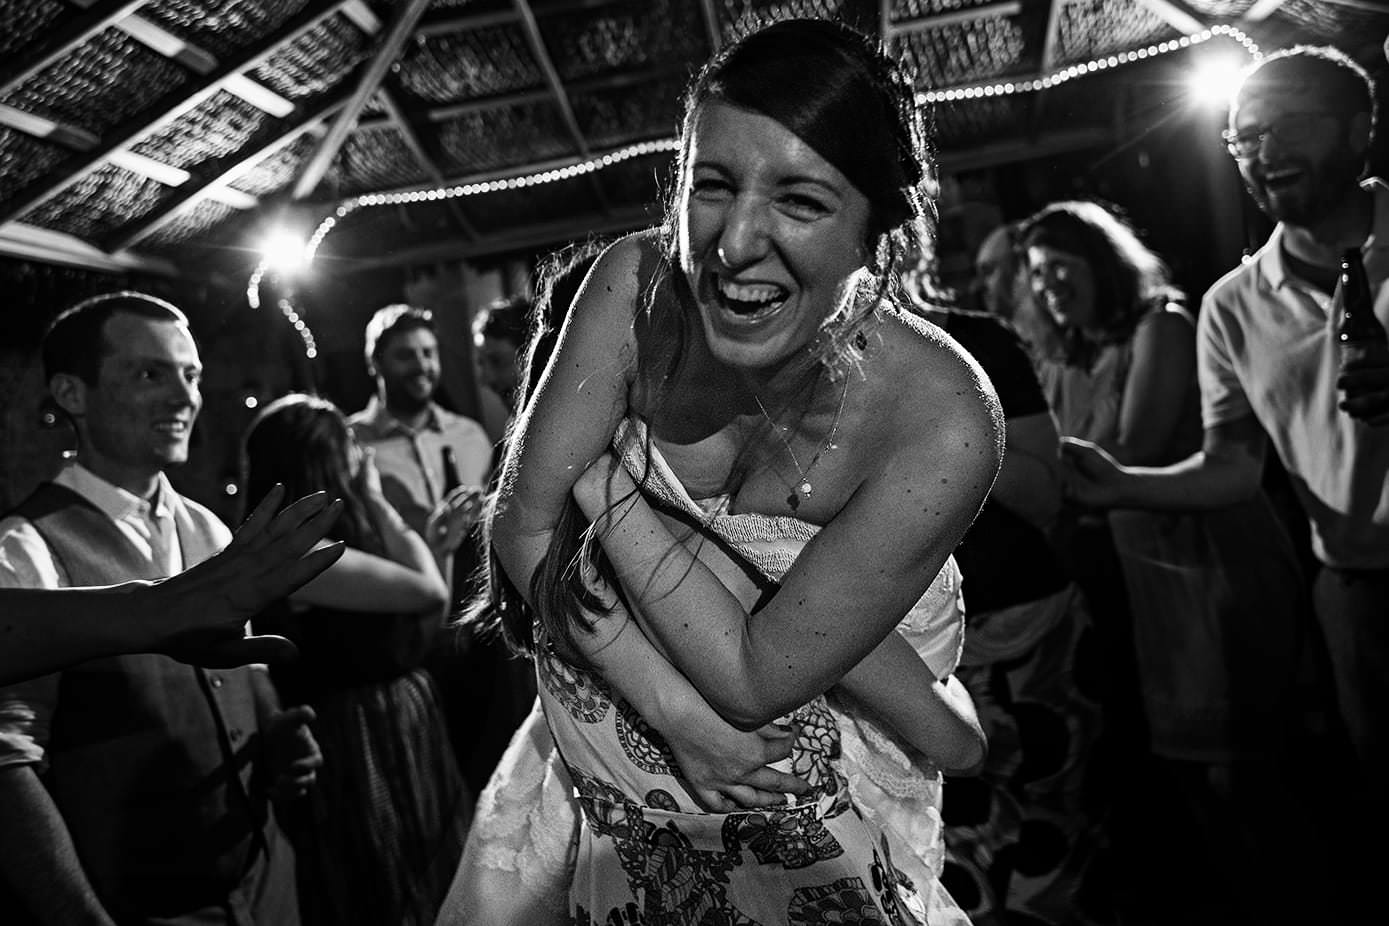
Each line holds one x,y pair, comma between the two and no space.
1217,598
748,366
378,838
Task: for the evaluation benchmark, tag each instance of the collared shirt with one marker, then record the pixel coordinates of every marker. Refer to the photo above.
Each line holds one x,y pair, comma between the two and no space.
26,709
1266,347
411,461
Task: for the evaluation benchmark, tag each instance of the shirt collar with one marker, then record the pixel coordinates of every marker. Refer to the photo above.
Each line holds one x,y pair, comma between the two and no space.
1270,257
113,501
381,422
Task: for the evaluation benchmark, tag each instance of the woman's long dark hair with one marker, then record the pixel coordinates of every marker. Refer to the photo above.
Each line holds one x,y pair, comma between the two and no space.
303,442
498,607
1129,276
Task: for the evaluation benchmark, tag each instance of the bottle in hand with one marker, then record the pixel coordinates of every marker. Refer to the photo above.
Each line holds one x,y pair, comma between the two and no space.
451,480
1360,337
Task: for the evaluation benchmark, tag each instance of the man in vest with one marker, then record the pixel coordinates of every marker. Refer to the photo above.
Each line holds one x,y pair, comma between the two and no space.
135,789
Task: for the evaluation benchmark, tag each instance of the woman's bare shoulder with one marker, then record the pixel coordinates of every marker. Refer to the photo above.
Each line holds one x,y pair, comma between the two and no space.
941,390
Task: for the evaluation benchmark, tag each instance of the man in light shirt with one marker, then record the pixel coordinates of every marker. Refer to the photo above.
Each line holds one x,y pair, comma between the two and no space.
136,788
1300,131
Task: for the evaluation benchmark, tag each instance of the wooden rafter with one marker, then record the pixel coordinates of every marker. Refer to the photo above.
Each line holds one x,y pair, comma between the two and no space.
1367,6
171,108
1261,10
450,111
556,85
1051,44
710,18
72,32
214,174
30,242
406,127
547,67
955,17
525,238
401,28
1176,14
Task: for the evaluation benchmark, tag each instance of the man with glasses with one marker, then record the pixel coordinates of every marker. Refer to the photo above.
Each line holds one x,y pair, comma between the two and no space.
1300,130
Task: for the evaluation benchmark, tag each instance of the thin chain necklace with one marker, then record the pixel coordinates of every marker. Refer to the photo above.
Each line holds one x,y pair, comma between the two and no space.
803,488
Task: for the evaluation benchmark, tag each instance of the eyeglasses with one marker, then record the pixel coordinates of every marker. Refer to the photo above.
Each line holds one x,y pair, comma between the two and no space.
1290,129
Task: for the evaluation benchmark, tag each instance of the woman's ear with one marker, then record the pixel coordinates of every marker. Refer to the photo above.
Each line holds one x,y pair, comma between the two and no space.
69,392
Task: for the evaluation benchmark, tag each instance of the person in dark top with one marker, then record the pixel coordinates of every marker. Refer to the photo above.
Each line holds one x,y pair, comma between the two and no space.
1026,623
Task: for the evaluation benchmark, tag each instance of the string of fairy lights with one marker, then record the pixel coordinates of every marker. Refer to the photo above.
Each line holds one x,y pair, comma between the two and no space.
590,165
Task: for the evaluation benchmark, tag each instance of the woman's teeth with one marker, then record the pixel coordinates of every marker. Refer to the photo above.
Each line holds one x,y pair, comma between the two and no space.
751,298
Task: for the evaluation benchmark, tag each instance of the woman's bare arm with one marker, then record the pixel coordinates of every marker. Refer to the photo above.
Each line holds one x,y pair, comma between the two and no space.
1156,392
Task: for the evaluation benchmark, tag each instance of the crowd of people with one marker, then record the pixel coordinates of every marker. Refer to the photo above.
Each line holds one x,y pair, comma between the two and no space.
800,588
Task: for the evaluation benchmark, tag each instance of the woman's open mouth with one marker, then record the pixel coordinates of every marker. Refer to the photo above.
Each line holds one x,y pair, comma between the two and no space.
751,301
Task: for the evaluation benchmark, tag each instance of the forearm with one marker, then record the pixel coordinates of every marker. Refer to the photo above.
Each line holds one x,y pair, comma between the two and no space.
1200,482
37,857
403,545
45,630
936,717
669,584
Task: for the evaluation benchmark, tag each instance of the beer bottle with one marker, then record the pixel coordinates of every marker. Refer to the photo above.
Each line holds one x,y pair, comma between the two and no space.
1359,335
451,480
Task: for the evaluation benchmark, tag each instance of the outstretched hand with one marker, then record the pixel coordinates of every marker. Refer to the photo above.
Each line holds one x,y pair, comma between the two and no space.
1089,474
203,611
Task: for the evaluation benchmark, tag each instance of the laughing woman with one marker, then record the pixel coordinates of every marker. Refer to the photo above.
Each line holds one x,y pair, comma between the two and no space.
747,363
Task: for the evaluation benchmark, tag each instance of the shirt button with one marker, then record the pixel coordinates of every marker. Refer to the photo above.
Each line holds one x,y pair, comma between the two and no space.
216,681
235,734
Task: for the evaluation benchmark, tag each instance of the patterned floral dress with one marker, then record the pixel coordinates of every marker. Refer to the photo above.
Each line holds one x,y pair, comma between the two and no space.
648,855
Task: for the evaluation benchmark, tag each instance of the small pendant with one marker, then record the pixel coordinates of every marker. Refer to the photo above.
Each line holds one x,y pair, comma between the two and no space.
804,489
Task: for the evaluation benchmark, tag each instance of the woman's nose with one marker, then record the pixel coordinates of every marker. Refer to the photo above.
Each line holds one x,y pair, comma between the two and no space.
743,240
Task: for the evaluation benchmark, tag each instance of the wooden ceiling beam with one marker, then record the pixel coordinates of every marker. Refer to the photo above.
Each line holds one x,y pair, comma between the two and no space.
70,33
1366,6
401,28
30,242
180,101
1051,45
215,174
406,127
525,238
618,81
561,96
1261,10
710,17
953,18
1025,149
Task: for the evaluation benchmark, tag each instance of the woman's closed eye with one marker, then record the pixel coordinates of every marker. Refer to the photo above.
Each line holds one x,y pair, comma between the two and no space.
710,188
804,206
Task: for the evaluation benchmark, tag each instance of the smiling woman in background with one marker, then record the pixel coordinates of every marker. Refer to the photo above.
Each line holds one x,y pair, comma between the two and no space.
1217,597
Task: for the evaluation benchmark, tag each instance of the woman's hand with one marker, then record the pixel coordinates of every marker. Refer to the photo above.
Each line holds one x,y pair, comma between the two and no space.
602,484
368,477
452,518
725,769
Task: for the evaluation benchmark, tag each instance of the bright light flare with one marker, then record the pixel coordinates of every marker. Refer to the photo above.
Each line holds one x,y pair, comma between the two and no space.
284,252
1214,81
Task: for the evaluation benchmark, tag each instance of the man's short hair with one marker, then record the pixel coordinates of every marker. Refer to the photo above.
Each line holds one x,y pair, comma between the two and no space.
1346,86
75,342
390,321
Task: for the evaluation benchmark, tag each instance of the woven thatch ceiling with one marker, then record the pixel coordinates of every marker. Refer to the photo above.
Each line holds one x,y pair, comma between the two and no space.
165,134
